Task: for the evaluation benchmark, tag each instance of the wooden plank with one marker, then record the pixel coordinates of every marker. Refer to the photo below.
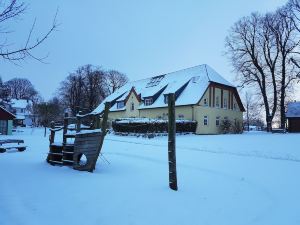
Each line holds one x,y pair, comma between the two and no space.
222,99
65,130
209,96
214,96
103,128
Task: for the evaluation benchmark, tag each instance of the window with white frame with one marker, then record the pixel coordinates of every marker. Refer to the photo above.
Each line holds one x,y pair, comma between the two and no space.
217,102
225,103
217,121
148,101
205,121
132,106
205,102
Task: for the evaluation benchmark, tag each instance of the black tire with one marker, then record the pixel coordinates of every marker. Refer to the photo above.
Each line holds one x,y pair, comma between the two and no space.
2,150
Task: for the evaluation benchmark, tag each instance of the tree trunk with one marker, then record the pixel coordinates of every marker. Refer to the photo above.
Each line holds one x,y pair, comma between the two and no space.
282,97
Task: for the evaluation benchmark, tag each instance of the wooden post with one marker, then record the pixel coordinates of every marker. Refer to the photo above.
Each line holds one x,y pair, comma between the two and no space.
172,143
97,122
78,122
52,134
66,123
103,130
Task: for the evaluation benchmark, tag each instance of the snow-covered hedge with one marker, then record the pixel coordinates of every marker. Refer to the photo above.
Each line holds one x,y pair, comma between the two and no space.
145,125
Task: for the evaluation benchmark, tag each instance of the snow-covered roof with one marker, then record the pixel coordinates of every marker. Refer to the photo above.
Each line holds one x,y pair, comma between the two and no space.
19,103
20,116
293,109
196,79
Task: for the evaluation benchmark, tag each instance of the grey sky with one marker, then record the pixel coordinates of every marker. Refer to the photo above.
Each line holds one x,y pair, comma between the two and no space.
139,38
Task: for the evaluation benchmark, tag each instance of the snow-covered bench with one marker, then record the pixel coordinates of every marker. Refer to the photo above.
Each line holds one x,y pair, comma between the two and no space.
12,144
278,130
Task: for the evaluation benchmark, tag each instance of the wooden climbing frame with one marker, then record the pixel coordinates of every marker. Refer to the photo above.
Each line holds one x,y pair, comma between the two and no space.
88,140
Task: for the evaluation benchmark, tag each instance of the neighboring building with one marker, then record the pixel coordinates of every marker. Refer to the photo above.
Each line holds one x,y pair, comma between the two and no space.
252,128
201,95
293,117
22,109
6,121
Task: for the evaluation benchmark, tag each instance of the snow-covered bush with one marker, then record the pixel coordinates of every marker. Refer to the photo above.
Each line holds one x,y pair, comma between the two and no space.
145,125
225,126
237,127
229,127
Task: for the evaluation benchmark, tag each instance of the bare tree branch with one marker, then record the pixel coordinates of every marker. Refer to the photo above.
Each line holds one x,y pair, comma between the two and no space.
12,11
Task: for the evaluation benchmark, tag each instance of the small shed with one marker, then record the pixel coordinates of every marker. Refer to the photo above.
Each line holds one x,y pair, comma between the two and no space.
293,117
6,121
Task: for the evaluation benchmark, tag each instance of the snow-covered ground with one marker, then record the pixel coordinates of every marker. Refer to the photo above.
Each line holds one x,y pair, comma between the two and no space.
244,179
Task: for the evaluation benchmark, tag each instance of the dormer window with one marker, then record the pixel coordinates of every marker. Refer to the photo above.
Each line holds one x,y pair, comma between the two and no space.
155,81
120,104
132,106
148,101
166,99
195,79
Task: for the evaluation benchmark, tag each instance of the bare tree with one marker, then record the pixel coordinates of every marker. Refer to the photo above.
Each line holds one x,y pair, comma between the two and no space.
253,54
13,9
84,89
288,40
88,86
72,91
250,108
21,88
115,80
94,87
4,91
294,6
49,111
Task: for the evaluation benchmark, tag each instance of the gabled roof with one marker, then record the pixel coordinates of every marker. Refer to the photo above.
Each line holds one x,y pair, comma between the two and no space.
293,110
138,97
196,79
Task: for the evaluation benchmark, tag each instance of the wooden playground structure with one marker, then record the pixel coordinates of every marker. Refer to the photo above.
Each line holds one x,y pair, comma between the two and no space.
89,141
87,131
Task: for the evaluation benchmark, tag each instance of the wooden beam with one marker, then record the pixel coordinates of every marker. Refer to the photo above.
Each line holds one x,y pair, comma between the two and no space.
172,143
52,134
103,130
209,96
65,130
214,96
221,98
231,100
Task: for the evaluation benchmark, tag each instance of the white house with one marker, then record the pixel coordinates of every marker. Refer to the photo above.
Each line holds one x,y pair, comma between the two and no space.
22,109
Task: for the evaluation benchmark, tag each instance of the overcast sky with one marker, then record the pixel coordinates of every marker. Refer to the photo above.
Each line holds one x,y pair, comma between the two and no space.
138,38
